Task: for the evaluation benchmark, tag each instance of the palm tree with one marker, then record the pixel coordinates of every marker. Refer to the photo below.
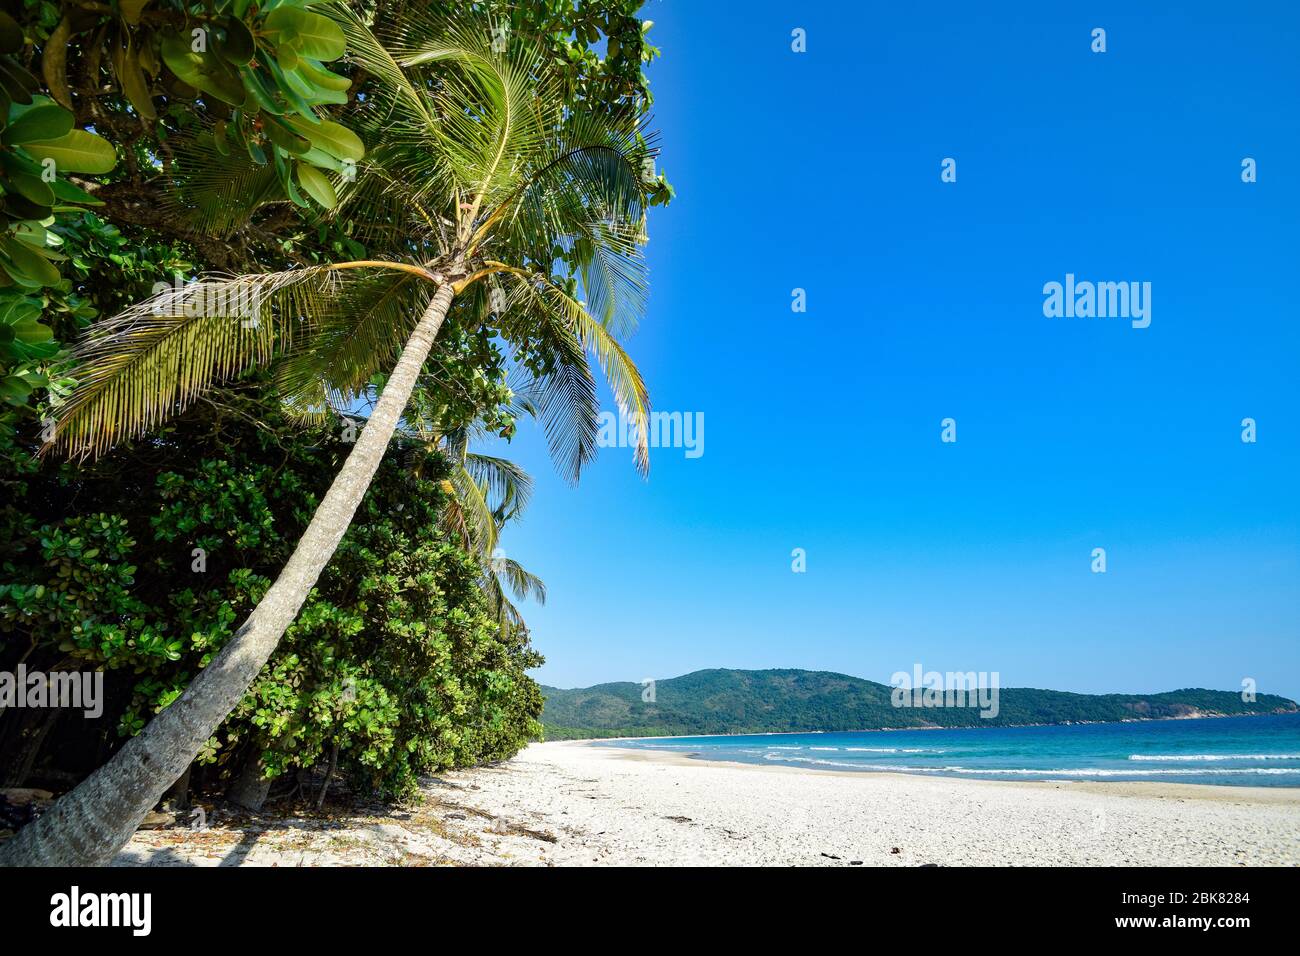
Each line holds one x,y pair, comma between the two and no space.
475,480
474,172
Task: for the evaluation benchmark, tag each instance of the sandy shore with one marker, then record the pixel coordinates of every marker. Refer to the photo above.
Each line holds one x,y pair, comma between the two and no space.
572,804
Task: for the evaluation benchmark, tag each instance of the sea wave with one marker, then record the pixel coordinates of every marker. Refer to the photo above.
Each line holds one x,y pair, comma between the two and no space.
1181,757
1027,771
819,762
1097,772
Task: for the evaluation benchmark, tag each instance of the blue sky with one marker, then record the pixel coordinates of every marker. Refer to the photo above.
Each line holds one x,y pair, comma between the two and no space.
924,301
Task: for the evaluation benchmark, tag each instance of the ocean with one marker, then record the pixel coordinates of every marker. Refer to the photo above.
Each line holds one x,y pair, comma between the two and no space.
1241,751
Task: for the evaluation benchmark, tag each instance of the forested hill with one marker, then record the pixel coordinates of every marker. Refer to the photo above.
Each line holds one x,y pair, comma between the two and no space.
734,702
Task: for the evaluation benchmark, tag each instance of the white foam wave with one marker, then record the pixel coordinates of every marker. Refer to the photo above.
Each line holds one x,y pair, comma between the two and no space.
1189,757
1027,771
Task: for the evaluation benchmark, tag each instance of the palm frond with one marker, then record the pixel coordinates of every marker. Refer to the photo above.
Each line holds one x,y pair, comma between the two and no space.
388,211
395,97
450,112
502,573
563,322
564,400
152,360
358,331
588,168
475,516
586,198
213,192
508,617
613,277
503,479
524,584
545,181
497,107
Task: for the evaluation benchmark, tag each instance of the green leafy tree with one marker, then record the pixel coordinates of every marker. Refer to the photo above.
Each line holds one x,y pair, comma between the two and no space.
257,71
38,147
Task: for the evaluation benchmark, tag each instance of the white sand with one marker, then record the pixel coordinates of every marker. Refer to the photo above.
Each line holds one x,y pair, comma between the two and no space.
601,805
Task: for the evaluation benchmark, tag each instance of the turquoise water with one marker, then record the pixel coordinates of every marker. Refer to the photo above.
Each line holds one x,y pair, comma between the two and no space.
1241,751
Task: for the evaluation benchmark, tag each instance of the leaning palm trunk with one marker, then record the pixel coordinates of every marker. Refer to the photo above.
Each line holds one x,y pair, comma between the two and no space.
88,825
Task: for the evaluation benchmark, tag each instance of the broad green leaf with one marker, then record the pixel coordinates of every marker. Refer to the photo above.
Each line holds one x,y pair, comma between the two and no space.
29,267
181,60
76,152
31,187
18,206
330,137
34,234
238,47
31,332
285,138
67,192
47,121
127,67
309,92
310,34
17,83
15,309
314,73
262,94
286,89
317,185
13,389
322,159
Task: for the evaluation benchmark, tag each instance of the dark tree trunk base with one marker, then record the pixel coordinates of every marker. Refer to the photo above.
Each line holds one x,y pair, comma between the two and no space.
250,788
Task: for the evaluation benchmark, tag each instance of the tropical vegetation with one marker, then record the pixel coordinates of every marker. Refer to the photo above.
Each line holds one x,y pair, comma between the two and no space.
255,356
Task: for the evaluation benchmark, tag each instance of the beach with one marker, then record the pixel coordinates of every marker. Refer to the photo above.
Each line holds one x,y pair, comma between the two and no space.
569,803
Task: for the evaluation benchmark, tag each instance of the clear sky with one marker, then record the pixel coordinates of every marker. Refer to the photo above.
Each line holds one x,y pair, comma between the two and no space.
821,171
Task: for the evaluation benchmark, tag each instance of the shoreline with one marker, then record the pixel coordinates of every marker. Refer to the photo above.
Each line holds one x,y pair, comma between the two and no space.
887,730
1288,796
567,803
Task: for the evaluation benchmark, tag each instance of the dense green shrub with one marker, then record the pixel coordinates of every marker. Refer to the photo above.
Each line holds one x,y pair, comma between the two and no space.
145,562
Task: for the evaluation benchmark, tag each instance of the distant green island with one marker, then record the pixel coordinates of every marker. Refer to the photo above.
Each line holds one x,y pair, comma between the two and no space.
793,701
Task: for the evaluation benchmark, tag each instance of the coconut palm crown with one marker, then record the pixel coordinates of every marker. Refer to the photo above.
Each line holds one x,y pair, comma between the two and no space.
474,177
